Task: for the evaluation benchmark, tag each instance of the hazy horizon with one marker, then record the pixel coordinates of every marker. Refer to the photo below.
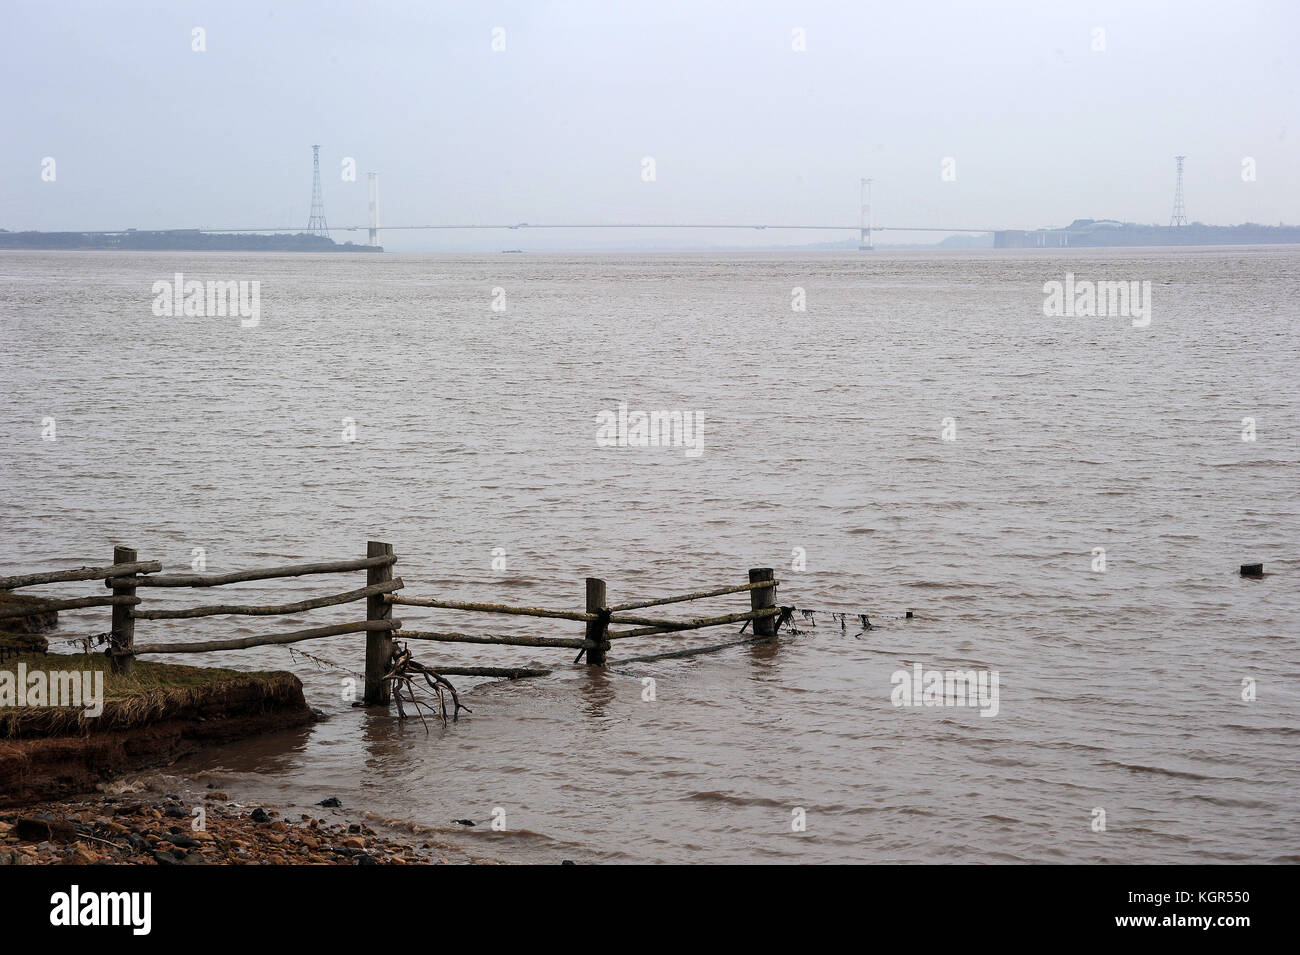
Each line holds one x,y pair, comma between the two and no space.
1017,118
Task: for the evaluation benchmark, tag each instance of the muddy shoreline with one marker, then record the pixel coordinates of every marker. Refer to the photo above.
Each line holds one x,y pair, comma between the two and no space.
139,824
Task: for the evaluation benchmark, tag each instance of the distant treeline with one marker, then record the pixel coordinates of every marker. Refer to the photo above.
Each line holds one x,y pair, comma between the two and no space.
1091,234
182,240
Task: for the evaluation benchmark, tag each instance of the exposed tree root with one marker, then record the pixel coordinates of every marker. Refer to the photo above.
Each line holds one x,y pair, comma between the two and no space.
404,672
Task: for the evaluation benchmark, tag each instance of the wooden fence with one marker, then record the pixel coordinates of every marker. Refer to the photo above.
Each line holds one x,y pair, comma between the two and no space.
127,575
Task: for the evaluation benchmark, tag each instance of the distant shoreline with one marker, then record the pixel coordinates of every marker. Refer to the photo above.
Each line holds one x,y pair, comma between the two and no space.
9,243
176,240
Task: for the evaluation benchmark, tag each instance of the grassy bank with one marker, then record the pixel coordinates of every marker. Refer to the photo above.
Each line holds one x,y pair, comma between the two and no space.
154,692
154,716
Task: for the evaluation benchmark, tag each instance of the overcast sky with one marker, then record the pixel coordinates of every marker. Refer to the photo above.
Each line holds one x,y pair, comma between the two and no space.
1041,126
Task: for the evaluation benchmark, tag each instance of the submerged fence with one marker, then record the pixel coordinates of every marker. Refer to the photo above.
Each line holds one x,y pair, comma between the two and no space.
127,575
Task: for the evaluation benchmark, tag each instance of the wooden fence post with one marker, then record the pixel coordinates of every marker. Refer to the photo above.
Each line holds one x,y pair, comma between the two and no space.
122,636
763,598
379,643
597,630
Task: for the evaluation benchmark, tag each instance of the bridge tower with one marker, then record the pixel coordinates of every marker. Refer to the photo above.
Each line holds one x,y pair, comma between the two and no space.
864,223
316,223
1180,211
374,207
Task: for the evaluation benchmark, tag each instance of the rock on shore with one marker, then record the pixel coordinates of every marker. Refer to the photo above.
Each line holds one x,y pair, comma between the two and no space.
153,829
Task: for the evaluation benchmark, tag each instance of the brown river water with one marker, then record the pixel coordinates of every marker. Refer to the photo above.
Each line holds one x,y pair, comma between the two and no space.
822,435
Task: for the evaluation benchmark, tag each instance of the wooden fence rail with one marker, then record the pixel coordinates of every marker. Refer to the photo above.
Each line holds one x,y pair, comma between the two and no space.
263,573
598,617
507,640
269,610
488,608
674,626
700,595
126,574
81,573
243,643
74,603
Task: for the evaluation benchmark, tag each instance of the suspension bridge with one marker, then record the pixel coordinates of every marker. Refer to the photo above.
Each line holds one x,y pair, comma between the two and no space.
317,224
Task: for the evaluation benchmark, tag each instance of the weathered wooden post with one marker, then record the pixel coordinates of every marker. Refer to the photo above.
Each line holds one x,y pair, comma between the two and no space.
379,643
763,598
122,636
597,630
